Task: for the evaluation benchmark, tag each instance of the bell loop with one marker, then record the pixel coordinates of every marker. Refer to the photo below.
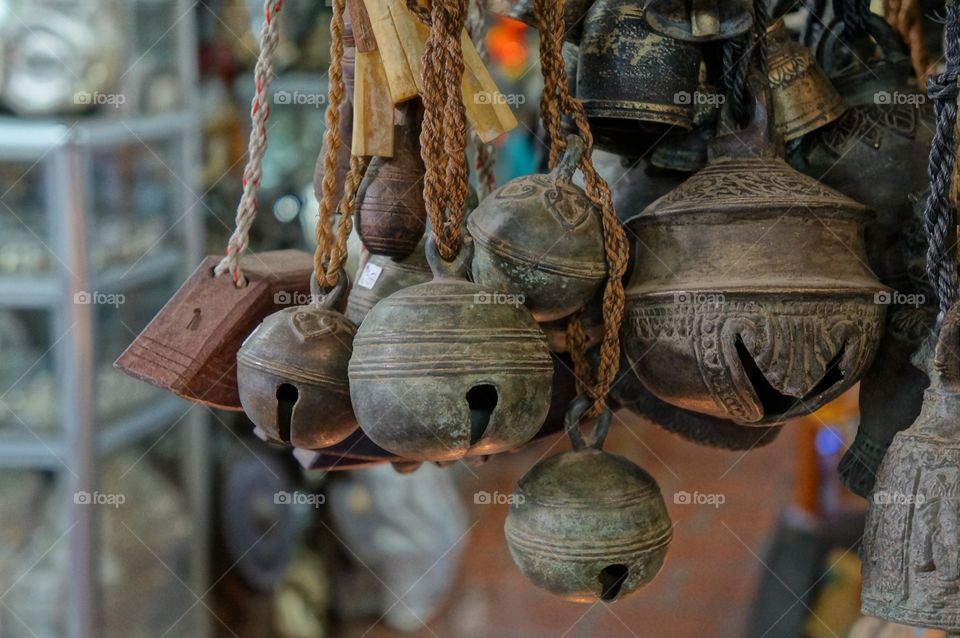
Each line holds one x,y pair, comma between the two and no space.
578,408
327,300
457,268
570,161
760,137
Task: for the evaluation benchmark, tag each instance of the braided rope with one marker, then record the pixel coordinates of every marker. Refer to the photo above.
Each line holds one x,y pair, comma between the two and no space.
940,216
256,146
855,15
443,136
739,55
556,94
485,155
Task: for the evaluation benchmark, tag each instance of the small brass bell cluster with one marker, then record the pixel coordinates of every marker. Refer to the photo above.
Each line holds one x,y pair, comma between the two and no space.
587,525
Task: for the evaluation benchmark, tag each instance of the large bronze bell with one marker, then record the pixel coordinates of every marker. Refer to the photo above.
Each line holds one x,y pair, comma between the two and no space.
909,553
700,20
539,237
446,369
750,298
292,374
803,97
587,525
391,215
632,82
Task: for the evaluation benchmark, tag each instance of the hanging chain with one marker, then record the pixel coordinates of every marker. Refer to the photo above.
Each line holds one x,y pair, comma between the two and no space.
555,102
940,215
257,144
443,137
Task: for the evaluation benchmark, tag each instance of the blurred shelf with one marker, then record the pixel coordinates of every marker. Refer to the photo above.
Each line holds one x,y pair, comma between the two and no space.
43,449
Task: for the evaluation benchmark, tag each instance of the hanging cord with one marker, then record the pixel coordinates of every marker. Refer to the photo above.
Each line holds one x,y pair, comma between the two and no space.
331,250
939,215
256,146
485,156
738,58
443,137
557,100
855,15
905,16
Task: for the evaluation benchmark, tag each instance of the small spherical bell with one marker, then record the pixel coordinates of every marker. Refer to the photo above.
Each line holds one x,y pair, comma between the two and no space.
588,525
443,370
539,237
292,374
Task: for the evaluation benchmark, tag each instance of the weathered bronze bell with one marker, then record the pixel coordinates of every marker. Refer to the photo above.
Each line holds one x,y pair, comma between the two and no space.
446,369
627,392
190,347
754,332
587,525
631,81
391,215
539,237
909,551
573,14
379,277
699,20
803,97
292,374
867,78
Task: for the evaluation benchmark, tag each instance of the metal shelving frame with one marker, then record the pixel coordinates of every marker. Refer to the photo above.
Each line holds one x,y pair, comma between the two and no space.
62,149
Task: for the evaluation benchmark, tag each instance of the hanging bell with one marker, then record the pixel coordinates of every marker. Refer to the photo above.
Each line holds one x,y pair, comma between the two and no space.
909,556
292,373
627,392
190,347
573,14
539,237
391,215
699,20
866,78
634,84
446,369
379,277
803,97
587,525
754,332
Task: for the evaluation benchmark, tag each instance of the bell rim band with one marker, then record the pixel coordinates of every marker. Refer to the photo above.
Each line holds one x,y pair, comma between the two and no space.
864,293
572,268
640,112
936,619
590,550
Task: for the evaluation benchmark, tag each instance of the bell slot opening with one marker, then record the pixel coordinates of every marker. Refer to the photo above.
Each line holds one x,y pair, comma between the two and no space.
287,396
611,580
482,399
772,400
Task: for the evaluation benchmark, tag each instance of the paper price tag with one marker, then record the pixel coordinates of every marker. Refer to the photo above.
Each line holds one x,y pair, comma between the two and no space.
368,278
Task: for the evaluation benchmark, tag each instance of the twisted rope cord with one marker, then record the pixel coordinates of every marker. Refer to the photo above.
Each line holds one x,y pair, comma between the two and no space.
256,146
940,216
596,384
855,15
740,55
443,136
485,156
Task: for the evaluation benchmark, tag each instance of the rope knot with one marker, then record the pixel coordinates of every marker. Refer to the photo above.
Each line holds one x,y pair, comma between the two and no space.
944,86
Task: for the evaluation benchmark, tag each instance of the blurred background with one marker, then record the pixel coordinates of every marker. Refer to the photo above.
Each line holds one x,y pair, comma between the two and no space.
127,512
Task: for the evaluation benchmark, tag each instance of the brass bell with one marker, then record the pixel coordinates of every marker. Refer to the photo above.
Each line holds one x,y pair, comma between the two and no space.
869,79
292,373
909,552
587,525
379,277
633,83
803,97
446,369
391,215
539,237
754,332
700,20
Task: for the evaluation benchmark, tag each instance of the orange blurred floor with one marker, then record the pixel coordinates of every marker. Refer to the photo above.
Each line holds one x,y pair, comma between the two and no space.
705,588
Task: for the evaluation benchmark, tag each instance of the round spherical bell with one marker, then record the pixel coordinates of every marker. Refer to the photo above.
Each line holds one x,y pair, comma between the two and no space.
722,323
381,276
445,369
292,374
587,525
539,237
